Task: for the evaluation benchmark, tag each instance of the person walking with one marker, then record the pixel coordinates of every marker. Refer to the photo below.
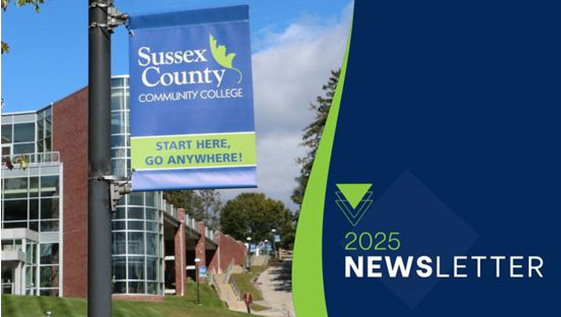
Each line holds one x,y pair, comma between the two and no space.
248,300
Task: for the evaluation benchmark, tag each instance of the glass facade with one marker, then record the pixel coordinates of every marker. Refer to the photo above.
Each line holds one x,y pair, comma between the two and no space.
31,196
138,220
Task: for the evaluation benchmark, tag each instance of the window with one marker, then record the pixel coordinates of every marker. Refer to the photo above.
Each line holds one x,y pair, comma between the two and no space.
24,132
15,210
24,148
6,133
49,208
49,186
49,253
15,188
6,150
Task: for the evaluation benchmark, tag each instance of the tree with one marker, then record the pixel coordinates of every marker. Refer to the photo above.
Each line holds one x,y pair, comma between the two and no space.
203,205
254,215
312,135
19,3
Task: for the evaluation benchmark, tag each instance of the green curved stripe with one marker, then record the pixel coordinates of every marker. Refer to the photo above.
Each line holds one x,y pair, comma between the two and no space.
307,273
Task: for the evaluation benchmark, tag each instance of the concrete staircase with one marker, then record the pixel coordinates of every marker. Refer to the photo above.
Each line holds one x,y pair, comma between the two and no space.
226,292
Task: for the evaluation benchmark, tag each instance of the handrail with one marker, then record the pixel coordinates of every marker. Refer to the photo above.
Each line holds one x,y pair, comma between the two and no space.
235,289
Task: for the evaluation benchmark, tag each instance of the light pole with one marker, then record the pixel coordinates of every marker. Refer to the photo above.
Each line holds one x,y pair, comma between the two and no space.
266,246
273,231
248,253
99,154
197,260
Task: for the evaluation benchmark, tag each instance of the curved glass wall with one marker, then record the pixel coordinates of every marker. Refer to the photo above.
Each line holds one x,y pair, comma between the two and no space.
138,220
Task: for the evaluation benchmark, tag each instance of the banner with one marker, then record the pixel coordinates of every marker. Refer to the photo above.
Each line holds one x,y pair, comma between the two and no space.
191,100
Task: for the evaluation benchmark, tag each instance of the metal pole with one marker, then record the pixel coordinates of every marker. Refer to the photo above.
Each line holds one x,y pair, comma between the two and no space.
198,291
99,115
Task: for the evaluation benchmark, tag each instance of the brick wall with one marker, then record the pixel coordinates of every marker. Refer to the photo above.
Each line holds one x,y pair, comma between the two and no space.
229,249
70,137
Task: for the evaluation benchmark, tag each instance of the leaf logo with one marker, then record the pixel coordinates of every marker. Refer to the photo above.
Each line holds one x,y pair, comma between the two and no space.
220,56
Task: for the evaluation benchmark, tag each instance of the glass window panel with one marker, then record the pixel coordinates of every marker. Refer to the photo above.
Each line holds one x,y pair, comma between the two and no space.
120,288
6,133
117,82
152,288
119,167
151,214
152,268
33,209
48,276
15,188
119,267
136,199
48,253
119,243
118,152
34,225
6,150
48,143
117,122
136,268
49,225
136,225
49,208
33,186
30,272
152,226
24,148
48,127
117,141
136,287
120,213
136,243
49,186
15,210
152,244
151,198
40,129
30,254
24,132
136,213
119,225
18,224
49,292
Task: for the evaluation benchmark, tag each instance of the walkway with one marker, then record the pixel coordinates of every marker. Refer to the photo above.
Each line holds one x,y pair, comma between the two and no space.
276,286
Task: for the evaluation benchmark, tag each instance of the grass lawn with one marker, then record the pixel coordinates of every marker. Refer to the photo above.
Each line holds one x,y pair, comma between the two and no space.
36,306
243,281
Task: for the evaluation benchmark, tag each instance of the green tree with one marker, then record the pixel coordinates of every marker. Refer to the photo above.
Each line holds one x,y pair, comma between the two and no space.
312,135
203,205
254,215
19,3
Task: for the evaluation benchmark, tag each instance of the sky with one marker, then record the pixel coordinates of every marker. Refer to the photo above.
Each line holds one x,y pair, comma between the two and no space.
295,44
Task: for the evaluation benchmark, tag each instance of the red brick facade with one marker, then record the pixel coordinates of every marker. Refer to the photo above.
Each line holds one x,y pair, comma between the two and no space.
229,249
70,137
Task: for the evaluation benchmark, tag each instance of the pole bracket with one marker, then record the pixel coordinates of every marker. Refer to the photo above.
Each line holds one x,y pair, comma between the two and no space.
114,17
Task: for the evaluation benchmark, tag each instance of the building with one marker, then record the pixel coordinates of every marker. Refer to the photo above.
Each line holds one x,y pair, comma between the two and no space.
44,211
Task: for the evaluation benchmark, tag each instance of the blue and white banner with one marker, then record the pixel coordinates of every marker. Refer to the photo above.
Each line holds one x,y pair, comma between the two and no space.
191,100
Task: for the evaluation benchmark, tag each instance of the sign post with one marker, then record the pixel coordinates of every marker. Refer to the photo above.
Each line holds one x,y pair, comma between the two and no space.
99,153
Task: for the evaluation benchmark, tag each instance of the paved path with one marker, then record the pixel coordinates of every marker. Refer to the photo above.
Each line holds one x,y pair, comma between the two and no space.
276,285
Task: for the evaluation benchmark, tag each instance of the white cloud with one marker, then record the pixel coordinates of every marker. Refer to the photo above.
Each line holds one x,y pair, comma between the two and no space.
288,73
